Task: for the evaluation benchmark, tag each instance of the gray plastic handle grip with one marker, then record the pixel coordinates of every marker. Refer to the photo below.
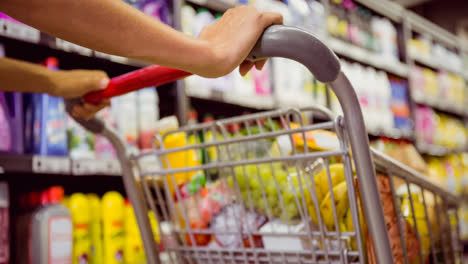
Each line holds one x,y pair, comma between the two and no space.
301,46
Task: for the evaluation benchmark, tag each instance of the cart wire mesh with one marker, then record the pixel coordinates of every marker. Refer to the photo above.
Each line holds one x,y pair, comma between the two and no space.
270,188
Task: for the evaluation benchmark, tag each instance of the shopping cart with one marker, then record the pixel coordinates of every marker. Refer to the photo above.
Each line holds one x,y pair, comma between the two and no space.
257,191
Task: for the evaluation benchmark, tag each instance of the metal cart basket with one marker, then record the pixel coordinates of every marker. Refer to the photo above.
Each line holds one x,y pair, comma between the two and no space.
273,189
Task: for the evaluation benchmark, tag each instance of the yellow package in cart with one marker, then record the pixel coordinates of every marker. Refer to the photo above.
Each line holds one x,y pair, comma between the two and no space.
316,139
176,159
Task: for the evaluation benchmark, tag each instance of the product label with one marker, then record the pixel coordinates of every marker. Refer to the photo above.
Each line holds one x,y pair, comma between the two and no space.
81,244
60,240
114,237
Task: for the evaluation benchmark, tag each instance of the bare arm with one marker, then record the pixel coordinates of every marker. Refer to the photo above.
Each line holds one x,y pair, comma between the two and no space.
20,76
114,27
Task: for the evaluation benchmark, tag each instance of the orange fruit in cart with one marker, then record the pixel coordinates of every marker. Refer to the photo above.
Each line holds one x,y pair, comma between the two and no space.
200,239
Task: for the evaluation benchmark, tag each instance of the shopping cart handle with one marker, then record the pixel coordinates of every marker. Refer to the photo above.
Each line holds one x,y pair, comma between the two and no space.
301,46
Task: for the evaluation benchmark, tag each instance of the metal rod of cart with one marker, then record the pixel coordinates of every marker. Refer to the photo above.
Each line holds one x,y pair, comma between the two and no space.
272,195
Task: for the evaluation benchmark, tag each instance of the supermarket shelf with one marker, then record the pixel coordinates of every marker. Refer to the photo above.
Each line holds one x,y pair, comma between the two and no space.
367,57
25,33
393,133
251,101
431,63
216,5
436,150
15,163
438,104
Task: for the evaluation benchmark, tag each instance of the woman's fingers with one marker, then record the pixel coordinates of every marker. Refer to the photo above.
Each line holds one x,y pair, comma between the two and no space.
245,67
87,111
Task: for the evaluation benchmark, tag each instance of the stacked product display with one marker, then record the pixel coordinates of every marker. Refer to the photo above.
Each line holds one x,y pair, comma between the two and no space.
78,228
38,124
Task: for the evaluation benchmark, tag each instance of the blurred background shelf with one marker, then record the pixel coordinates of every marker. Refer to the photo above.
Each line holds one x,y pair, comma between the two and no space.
437,150
438,104
367,57
14,30
215,5
15,163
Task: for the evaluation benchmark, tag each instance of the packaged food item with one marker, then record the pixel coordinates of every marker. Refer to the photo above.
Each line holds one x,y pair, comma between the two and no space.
391,220
315,139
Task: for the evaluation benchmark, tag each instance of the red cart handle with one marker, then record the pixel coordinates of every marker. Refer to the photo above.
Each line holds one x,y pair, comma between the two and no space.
153,75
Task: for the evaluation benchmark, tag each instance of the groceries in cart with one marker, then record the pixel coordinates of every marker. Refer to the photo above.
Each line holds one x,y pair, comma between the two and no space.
279,202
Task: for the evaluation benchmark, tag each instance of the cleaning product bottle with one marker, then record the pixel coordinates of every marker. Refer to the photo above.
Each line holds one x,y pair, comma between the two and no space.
134,251
14,102
112,211
148,114
5,130
28,203
4,224
81,238
49,125
95,229
51,230
177,159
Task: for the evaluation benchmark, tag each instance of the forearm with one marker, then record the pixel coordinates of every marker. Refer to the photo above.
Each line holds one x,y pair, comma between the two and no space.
18,76
111,26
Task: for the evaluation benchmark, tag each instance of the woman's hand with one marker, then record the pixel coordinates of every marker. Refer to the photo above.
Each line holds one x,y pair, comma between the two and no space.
76,83
233,36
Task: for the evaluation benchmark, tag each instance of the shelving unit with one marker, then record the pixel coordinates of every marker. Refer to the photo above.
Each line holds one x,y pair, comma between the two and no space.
439,105
14,163
396,13
367,57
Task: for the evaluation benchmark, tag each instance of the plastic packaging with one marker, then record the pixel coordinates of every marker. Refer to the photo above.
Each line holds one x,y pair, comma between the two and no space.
112,212
51,230
148,114
95,229
5,129
79,208
4,224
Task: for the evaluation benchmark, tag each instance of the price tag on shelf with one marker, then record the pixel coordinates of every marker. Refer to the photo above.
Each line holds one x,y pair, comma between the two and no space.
48,164
95,167
19,31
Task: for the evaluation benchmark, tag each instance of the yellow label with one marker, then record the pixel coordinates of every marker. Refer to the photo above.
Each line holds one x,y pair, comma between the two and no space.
114,238
81,243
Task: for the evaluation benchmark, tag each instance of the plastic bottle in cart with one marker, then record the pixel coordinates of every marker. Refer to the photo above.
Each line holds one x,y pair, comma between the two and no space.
95,229
112,211
4,224
51,230
81,237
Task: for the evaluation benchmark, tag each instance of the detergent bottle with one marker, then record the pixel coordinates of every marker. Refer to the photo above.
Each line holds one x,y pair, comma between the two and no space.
81,238
95,230
112,211
51,236
176,159
134,252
